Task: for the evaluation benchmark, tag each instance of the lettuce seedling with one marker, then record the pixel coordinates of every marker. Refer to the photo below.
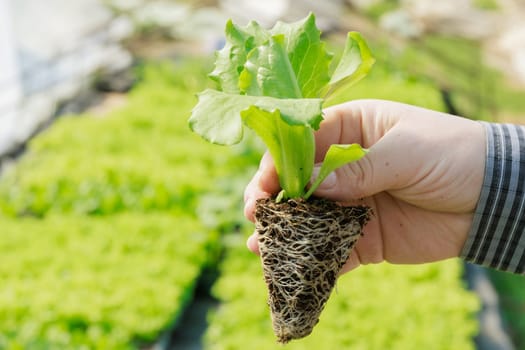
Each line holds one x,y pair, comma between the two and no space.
275,82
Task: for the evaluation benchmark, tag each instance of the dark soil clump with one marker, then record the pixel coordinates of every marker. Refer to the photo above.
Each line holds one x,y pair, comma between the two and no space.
304,245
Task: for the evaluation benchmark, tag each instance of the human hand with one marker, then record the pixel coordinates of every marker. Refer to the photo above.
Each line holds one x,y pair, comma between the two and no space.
422,178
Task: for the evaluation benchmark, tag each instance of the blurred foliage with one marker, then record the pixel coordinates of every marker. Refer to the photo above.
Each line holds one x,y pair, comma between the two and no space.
141,157
117,280
486,4
453,68
375,307
97,283
389,83
378,8
510,288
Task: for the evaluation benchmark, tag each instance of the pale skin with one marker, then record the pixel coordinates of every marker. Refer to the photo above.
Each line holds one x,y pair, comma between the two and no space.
422,177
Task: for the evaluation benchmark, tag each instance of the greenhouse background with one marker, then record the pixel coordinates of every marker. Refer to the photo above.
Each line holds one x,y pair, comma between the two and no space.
123,230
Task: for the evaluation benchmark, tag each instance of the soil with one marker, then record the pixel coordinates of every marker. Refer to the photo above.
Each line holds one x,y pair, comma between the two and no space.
304,245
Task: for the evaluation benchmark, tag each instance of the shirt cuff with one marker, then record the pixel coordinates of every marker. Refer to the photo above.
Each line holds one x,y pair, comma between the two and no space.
497,235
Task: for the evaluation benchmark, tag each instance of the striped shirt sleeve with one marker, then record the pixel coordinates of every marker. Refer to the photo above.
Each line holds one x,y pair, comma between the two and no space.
497,236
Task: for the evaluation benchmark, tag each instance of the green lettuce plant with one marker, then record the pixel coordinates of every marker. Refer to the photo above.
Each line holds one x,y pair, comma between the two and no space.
275,82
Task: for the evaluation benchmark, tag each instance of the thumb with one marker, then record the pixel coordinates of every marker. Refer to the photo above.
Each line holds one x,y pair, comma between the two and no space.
382,169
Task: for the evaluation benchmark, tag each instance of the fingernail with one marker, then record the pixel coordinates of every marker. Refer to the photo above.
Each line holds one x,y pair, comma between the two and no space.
329,181
315,173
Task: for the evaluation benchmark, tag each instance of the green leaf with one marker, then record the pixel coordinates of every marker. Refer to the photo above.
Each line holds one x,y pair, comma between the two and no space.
273,80
307,54
356,62
217,115
268,72
292,148
337,156
229,61
293,63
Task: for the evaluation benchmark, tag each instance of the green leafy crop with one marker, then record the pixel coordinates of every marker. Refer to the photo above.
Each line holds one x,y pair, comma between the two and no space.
275,82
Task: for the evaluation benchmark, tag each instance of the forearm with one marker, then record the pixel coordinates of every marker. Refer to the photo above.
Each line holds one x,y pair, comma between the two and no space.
497,236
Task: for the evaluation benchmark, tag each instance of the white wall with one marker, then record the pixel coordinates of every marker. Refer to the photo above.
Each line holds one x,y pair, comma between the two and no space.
49,50
10,88
10,85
